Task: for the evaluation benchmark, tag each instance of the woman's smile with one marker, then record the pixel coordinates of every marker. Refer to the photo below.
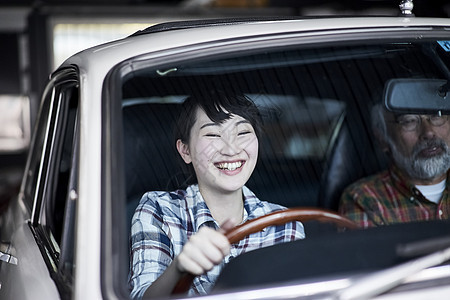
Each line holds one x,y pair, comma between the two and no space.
227,167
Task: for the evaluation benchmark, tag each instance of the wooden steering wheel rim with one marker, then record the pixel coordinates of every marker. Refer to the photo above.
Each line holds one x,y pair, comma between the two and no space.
281,217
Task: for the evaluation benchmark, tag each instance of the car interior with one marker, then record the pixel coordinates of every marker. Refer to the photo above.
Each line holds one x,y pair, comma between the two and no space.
315,105
316,109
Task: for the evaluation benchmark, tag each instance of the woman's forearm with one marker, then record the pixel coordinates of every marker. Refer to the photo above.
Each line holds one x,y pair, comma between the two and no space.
164,285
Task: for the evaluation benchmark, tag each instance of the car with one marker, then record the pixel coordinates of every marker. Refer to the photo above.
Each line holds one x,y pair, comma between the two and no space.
103,137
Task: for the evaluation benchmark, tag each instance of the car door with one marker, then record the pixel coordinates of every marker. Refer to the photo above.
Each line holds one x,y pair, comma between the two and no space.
41,221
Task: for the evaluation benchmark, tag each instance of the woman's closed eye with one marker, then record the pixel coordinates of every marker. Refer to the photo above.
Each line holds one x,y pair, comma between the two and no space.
244,128
244,132
212,134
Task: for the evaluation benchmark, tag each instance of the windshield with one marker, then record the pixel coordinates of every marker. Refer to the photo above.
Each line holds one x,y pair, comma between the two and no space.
319,136
307,98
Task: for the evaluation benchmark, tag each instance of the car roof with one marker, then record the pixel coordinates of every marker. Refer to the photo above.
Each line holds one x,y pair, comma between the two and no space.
173,35
310,22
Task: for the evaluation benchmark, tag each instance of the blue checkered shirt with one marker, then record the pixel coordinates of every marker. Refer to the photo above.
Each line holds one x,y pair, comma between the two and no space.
163,223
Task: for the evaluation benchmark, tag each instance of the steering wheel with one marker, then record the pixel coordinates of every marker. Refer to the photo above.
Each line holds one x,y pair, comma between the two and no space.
281,217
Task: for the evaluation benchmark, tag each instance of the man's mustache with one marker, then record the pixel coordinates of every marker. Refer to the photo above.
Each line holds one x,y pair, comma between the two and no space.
429,144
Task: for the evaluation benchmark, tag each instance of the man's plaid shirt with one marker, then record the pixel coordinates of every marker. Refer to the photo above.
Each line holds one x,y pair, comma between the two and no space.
388,198
163,222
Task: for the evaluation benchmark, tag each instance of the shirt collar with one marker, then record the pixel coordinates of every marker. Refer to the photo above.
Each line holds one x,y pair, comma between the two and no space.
202,215
252,204
405,186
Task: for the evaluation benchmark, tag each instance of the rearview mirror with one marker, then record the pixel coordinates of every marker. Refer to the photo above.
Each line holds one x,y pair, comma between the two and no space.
417,96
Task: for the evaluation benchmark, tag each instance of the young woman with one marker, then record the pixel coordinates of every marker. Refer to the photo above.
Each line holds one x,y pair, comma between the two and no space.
182,231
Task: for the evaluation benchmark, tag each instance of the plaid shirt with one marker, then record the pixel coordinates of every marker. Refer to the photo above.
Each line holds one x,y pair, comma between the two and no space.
388,198
163,223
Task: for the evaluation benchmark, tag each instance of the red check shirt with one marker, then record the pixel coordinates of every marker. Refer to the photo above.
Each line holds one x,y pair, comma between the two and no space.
388,198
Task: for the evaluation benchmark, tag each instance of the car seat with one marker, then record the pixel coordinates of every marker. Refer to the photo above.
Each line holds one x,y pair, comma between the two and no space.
151,162
352,155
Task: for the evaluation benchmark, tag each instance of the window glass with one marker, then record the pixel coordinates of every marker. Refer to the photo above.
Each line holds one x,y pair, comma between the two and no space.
317,137
33,174
54,205
63,147
308,98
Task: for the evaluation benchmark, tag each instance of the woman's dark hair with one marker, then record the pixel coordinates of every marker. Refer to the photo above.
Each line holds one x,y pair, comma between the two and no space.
218,106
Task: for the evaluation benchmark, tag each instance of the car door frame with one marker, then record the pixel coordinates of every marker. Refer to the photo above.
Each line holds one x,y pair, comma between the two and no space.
41,267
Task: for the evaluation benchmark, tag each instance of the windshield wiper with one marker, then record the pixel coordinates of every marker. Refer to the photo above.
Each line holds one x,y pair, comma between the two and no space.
382,281
423,247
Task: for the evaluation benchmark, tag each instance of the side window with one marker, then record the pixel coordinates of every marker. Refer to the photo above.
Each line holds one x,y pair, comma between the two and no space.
36,150
55,189
61,163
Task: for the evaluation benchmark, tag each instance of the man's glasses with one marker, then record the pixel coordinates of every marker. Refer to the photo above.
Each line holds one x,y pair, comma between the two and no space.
412,122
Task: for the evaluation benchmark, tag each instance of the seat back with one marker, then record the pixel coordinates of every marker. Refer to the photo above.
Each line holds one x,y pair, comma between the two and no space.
151,159
353,154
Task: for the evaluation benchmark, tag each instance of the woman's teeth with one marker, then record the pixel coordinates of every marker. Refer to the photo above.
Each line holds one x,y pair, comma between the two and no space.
229,166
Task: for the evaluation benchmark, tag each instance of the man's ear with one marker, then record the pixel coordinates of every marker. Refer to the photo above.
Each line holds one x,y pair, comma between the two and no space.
183,150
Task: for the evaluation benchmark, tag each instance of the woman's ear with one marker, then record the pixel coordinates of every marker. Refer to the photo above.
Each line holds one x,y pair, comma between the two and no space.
183,150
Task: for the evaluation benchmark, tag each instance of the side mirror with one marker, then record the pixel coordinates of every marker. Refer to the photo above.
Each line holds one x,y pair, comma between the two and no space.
15,124
417,95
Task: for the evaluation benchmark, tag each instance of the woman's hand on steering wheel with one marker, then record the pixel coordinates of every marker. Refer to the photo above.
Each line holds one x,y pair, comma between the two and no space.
235,234
204,250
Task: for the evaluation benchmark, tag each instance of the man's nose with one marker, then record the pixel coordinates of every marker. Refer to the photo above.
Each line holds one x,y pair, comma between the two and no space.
427,129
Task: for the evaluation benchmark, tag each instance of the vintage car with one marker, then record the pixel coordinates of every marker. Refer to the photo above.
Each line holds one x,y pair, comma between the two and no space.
103,138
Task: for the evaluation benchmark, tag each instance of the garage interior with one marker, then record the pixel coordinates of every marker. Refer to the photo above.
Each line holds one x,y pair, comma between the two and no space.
37,36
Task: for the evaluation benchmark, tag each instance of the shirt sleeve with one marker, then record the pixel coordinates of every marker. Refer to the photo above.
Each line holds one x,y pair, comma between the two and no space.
151,248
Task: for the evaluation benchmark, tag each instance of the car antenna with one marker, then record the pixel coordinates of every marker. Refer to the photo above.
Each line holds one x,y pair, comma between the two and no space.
406,7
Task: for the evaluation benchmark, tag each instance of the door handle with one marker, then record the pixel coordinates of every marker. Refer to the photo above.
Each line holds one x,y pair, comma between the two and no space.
5,255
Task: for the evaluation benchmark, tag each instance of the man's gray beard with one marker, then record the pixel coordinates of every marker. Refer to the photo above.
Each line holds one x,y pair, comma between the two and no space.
423,168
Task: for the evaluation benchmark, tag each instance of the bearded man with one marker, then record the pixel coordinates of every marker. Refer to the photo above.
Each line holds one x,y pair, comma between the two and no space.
416,186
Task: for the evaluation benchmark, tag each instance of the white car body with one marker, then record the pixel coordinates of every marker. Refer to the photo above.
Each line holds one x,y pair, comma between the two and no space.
30,278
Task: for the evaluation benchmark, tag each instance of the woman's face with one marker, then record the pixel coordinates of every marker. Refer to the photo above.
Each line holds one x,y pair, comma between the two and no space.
223,155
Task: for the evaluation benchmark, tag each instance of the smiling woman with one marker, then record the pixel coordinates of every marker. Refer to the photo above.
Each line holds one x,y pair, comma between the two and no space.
184,229
221,135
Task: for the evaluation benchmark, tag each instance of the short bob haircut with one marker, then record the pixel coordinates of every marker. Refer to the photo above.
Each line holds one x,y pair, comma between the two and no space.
219,106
